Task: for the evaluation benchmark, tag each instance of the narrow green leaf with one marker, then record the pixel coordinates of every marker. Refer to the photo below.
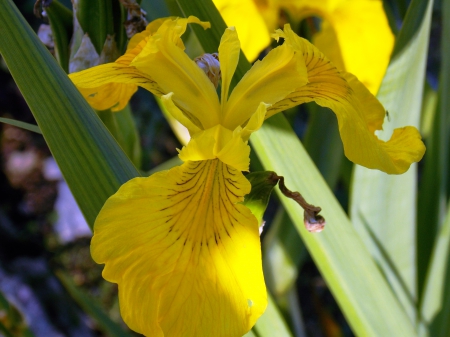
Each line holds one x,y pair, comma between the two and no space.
440,326
106,325
355,280
96,18
91,161
323,143
61,24
283,252
435,280
383,207
22,125
271,323
122,127
414,17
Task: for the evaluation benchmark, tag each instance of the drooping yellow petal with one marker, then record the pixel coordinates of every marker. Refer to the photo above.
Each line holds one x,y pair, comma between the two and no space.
268,81
111,85
229,50
166,63
364,40
218,142
358,112
243,15
185,254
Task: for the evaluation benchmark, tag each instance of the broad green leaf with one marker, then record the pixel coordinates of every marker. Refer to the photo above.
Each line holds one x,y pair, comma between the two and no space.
22,125
355,280
383,207
350,272
90,307
91,161
61,24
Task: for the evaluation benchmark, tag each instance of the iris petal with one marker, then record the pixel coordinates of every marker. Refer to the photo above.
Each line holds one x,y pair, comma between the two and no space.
229,50
358,112
166,63
253,32
363,37
218,142
185,253
111,85
269,80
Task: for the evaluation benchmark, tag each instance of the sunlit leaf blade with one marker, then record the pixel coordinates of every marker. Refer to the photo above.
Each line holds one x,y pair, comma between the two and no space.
22,125
339,253
342,258
92,163
383,207
89,306
61,24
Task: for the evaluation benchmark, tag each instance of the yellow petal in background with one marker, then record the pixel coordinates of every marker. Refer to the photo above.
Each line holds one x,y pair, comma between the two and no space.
358,112
253,32
185,253
364,40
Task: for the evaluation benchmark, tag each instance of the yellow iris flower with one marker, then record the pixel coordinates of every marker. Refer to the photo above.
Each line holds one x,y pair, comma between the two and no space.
183,249
354,34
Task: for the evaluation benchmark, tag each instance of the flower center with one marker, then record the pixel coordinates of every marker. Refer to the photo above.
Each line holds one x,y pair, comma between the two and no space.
210,64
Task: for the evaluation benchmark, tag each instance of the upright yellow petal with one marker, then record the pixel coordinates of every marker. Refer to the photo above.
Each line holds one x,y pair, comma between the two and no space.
358,112
166,63
185,253
244,15
268,81
229,50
